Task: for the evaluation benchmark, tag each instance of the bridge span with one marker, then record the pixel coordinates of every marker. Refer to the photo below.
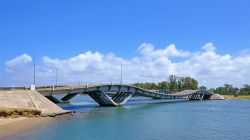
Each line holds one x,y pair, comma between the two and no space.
117,95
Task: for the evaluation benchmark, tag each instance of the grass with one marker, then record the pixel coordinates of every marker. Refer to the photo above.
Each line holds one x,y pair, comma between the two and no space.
15,112
240,97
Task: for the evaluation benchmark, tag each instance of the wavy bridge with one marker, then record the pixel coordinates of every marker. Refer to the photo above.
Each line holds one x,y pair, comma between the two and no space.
117,95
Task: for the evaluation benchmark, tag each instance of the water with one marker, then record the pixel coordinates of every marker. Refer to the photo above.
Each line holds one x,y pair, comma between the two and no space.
148,120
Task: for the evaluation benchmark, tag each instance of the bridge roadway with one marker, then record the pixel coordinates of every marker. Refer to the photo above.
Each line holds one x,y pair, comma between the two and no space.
117,95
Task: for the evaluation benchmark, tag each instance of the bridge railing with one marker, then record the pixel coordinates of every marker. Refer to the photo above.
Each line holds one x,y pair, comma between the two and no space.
61,87
13,88
78,86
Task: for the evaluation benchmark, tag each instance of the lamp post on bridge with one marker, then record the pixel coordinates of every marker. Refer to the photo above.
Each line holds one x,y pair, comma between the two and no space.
34,80
121,73
33,87
56,78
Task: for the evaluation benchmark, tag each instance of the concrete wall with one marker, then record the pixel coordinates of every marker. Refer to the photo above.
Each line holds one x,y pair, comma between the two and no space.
27,99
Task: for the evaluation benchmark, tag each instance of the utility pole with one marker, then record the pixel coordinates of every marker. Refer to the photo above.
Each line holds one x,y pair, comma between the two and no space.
56,78
121,74
34,74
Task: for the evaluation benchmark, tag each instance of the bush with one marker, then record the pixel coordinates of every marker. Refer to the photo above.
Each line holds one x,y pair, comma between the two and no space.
15,112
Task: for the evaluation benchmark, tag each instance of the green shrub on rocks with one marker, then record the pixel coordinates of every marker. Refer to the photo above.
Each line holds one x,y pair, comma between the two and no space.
15,112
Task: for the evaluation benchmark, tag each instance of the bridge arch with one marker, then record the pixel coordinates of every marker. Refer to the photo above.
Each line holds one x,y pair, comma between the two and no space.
117,95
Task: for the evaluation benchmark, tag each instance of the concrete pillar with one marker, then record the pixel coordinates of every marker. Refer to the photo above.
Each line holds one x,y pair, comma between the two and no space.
32,87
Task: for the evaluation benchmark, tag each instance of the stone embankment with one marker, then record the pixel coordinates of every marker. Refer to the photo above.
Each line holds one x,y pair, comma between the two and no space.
27,103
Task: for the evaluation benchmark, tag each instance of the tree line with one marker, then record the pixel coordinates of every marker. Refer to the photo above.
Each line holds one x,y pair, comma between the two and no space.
177,84
229,89
174,84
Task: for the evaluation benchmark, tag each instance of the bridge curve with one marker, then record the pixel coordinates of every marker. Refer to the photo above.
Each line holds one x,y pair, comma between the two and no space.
117,95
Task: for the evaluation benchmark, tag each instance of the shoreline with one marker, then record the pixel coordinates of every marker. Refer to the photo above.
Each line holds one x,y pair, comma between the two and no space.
12,126
240,97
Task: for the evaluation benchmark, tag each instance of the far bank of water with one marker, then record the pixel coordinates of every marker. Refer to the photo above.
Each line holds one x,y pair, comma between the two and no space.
147,120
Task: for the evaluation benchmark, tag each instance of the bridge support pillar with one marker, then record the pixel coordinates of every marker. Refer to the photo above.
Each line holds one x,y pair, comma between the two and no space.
199,95
54,99
120,98
69,97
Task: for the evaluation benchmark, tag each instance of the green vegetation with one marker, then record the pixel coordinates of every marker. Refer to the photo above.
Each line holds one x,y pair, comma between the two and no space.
228,89
15,112
176,84
173,84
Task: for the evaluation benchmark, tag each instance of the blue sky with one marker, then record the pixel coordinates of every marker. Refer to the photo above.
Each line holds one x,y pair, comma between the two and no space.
64,29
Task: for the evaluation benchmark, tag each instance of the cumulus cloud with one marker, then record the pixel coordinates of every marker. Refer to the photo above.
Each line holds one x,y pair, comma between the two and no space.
23,59
152,65
18,70
209,47
149,50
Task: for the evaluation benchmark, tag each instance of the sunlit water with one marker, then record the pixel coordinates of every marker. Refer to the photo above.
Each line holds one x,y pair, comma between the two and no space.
148,120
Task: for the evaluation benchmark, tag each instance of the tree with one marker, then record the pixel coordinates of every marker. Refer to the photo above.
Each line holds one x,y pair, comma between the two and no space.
229,89
245,90
212,90
153,86
172,82
163,85
203,88
186,83
220,90
190,83
180,83
236,92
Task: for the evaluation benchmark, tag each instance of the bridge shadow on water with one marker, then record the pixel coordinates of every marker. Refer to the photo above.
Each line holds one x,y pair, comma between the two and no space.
84,103
92,110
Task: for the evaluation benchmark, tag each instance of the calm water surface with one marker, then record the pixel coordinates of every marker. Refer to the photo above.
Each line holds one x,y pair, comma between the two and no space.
149,120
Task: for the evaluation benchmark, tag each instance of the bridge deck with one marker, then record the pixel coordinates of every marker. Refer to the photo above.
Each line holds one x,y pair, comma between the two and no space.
121,89
111,88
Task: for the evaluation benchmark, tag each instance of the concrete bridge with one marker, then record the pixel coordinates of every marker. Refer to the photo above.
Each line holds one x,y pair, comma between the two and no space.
117,95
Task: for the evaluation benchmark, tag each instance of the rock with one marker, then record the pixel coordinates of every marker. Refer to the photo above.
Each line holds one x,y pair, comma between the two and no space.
217,97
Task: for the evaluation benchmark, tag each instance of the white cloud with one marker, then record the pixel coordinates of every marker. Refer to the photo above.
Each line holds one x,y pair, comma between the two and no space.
23,59
152,65
148,50
18,71
209,47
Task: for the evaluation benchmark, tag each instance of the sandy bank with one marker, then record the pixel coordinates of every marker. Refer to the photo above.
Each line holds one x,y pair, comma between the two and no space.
217,97
240,97
9,126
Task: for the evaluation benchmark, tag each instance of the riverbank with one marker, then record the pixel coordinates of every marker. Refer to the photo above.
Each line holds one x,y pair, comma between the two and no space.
240,97
16,112
24,110
12,126
27,102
